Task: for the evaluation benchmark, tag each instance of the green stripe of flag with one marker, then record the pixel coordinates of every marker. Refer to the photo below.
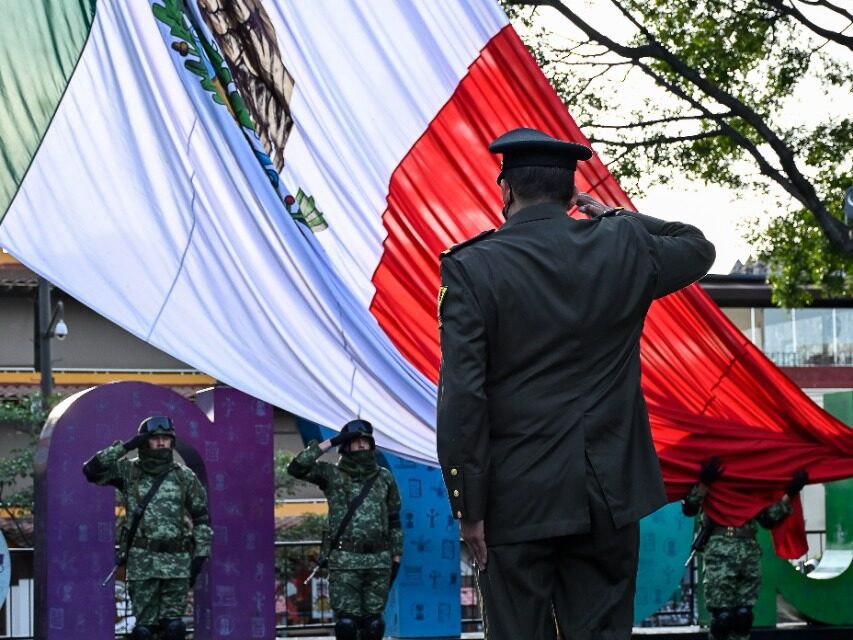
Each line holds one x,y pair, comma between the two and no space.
40,43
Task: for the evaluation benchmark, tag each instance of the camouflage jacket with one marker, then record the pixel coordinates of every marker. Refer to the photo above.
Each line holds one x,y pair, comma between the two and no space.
177,513
767,518
376,522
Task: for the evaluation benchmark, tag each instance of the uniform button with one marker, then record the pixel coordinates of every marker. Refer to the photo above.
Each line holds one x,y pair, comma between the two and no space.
458,514
456,493
453,472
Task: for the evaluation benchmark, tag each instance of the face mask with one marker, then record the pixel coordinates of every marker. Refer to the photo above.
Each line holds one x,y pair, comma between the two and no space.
358,462
155,461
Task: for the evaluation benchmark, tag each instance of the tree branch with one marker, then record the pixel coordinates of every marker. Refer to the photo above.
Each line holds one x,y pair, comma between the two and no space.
793,181
742,141
832,7
648,123
650,142
591,33
836,231
829,34
590,80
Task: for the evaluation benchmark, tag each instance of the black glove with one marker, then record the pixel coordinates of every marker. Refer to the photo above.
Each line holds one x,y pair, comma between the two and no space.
343,438
195,568
136,442
395,569
797,482
710,471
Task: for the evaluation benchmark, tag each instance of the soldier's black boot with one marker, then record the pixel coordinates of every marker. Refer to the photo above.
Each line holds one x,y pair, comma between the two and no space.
173,629
722,623
372,627
346,628
142,632
743,620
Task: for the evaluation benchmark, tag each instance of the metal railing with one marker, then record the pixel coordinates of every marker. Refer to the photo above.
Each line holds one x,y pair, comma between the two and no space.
798,359
298,606
17,613
302,607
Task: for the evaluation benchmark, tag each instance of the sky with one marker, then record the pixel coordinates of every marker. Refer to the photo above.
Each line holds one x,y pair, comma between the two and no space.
717,211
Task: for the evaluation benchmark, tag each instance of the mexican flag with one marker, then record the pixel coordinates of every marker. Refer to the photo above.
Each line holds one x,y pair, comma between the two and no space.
262,188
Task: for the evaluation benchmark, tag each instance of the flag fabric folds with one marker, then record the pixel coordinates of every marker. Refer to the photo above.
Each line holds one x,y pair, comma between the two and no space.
263,193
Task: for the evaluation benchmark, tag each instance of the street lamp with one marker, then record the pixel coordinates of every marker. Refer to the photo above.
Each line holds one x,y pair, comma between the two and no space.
50,323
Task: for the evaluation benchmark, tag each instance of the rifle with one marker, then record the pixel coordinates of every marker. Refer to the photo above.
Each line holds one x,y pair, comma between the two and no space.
121,554
700,540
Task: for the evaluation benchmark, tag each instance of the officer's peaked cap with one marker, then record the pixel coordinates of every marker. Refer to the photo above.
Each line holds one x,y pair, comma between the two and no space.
531,148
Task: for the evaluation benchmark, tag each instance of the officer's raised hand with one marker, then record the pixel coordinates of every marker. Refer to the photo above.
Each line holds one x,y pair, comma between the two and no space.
590,206
474,535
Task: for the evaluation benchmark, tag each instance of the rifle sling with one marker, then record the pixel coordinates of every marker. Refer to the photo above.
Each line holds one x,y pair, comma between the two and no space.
140,509
353,505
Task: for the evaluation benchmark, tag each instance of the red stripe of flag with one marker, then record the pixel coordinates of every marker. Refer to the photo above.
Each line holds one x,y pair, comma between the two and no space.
444,190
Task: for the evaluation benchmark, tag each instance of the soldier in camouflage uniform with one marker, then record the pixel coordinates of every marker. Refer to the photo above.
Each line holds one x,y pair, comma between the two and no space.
174,535
364,563
732,569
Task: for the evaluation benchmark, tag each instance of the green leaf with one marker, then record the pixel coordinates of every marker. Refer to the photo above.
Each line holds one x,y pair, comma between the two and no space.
196,67
242,113
162,14
16,468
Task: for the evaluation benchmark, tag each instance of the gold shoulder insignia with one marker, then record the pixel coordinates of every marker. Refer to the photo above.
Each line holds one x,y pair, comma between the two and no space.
441,292
615,211
467,242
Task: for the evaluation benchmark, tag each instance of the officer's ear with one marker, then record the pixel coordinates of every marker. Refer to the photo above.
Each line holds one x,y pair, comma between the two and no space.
506,191
574,199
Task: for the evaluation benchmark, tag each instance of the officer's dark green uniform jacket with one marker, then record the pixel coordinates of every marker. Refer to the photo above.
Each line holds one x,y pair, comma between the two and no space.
540,328
373,535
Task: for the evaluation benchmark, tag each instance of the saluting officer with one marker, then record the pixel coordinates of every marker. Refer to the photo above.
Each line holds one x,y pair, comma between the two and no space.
543,434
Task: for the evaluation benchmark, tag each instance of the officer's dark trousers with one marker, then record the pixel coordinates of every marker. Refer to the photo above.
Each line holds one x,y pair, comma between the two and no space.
584,583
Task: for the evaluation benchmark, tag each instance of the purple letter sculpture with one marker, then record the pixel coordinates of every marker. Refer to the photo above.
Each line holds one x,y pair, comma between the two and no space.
226,438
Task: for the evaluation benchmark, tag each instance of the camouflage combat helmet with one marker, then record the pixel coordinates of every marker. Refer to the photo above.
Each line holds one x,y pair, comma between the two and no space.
157,426
364,430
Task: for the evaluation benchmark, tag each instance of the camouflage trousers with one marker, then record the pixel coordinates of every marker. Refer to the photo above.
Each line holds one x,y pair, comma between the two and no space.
155,599
732,574
359,592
